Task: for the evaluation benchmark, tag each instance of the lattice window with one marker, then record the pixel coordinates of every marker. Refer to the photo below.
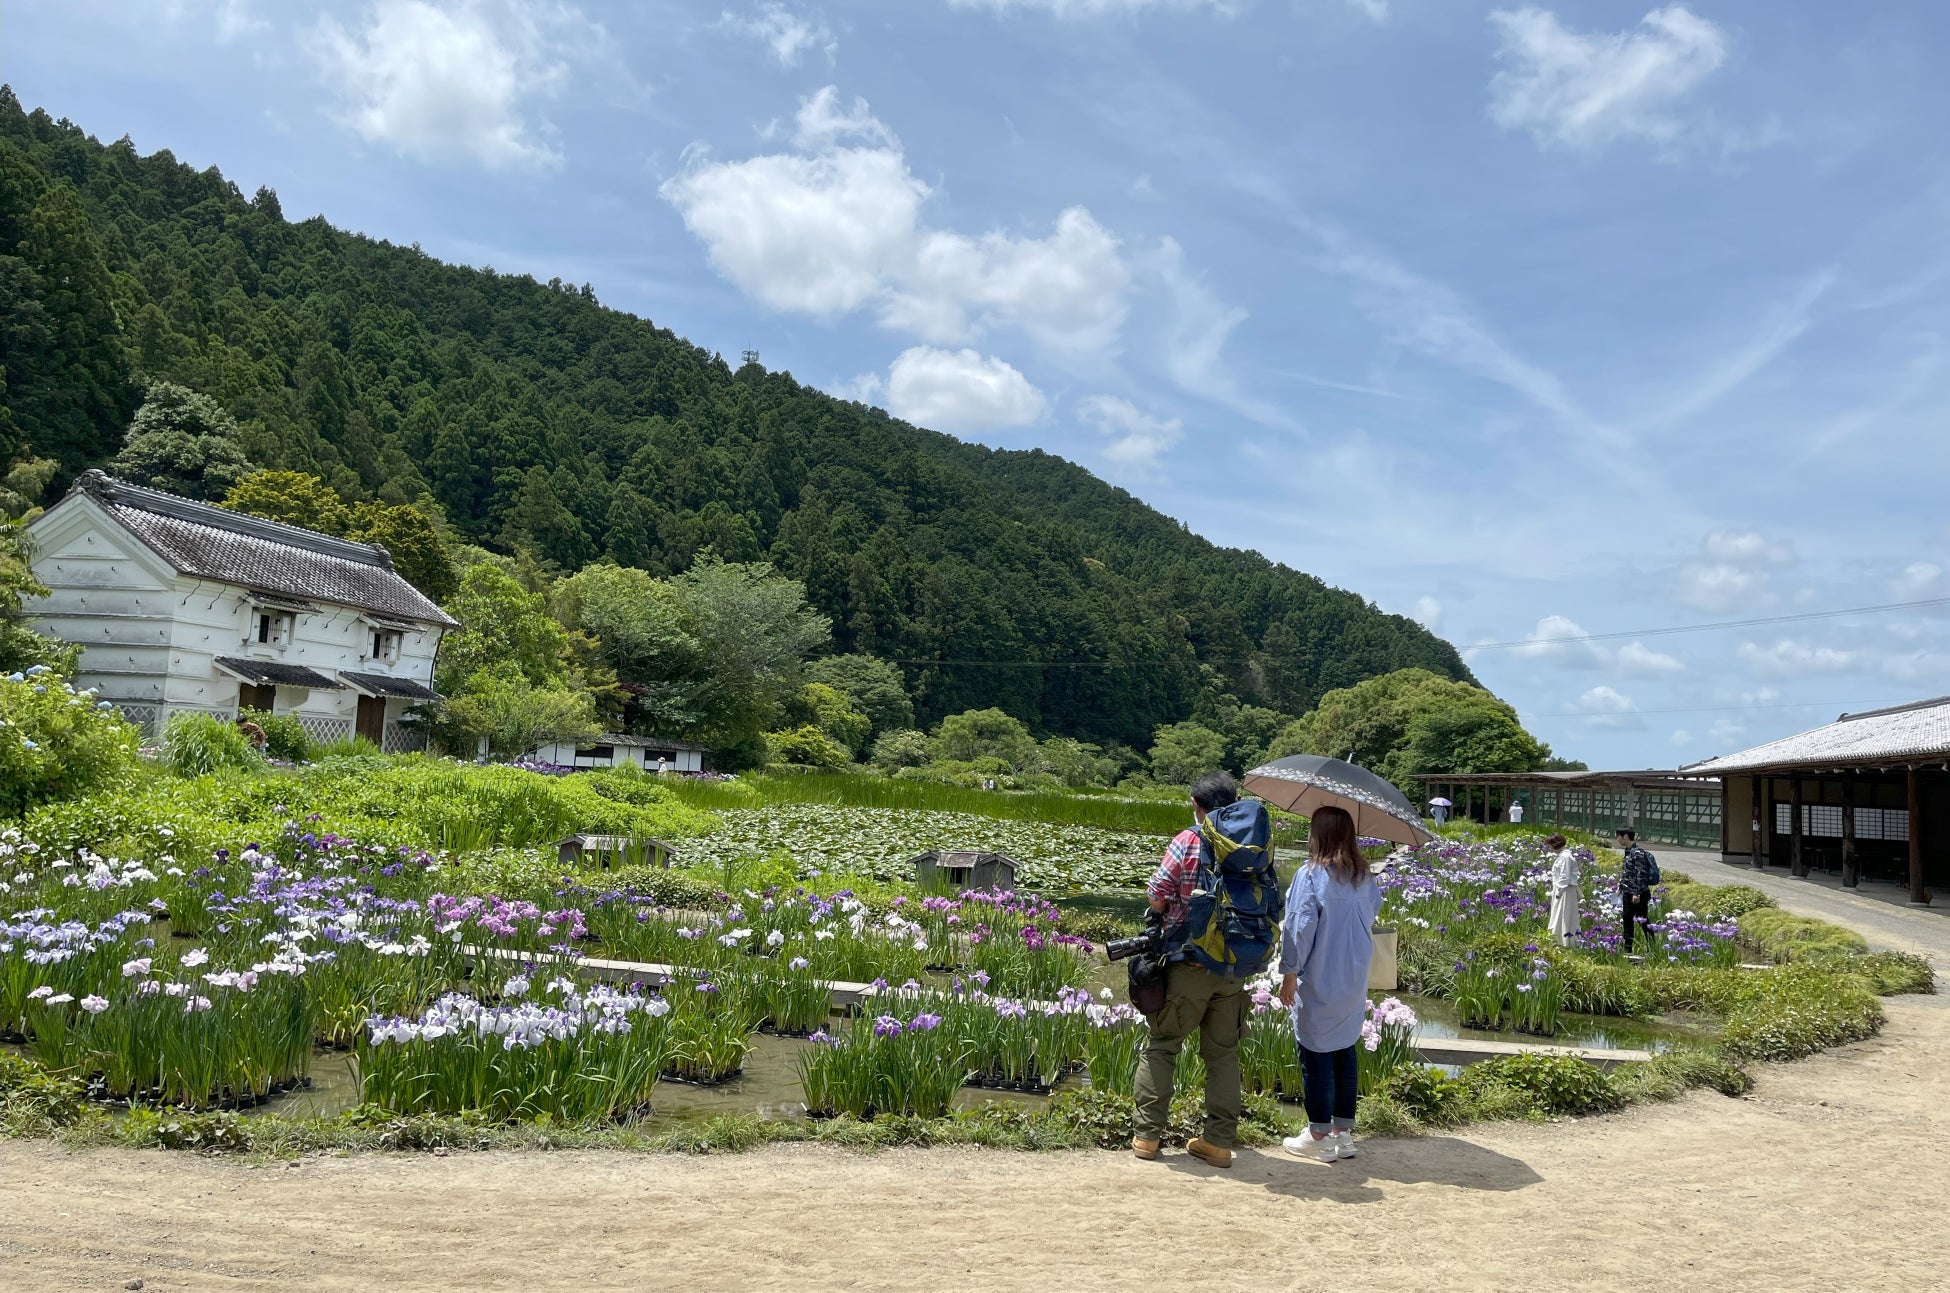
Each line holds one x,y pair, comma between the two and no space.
1882,823
1825,820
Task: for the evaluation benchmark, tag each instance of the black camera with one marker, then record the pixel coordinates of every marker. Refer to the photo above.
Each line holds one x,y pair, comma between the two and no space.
1149,943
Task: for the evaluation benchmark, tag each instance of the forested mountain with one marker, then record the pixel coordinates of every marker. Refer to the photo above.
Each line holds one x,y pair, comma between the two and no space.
540,419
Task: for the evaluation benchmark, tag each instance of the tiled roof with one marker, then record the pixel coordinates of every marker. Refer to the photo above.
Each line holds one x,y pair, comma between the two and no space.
277,673
380,684
215,543
1919,731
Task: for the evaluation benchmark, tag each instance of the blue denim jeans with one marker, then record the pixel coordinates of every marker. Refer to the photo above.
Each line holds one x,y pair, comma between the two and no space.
1333,1086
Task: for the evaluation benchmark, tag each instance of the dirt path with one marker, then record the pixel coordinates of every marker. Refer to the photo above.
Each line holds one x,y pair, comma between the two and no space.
1833,1175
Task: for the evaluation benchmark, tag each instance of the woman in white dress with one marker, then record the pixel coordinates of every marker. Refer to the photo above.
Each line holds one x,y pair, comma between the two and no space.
1567,890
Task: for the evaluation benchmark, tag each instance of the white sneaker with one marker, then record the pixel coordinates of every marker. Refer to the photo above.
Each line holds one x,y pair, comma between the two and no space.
1344,1144
1307,1145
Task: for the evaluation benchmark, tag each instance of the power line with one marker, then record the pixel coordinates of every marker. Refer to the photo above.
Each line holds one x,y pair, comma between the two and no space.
1667,630
1717,624
1841,706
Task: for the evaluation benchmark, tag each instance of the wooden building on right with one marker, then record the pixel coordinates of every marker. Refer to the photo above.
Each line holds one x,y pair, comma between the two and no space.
1867,796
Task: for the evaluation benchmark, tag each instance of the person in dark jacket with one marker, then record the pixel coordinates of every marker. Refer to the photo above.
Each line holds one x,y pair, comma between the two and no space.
1635,881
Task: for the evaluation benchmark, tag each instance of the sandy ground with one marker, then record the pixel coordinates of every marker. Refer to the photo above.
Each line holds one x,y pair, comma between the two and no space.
1833,1175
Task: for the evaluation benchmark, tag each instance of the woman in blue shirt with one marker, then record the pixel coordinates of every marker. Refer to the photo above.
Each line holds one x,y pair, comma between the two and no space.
1325,945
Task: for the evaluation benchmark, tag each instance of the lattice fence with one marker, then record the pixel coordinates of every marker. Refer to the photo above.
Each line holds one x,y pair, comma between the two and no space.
404,740
324,729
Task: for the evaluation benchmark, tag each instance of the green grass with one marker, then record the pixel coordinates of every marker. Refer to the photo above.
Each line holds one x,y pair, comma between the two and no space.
856,790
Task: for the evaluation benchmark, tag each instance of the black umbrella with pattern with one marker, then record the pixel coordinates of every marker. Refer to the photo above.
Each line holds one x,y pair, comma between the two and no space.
1303,783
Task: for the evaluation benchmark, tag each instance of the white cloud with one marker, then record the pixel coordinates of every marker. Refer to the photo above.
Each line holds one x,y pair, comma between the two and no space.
1681,738
1376,10
823,123
1718,586
1920,580
228,18
1734,574
1640,661
960,390
1745,548
1585,91
1139,438
790,35
1428,612
1554,640
1726,731
456,79
836,226
1604,706
1791,659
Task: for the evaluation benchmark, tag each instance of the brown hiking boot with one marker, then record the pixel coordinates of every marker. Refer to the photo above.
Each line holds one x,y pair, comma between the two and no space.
1145,1149
1206,1152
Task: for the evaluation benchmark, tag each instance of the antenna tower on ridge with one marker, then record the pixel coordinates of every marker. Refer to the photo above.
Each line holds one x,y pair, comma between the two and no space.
751,356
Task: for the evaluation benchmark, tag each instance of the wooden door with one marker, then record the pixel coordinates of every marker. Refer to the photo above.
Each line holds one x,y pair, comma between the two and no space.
371,722
258,698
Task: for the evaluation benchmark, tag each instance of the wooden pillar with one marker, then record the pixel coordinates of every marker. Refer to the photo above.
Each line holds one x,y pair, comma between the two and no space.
1797,859
1759,820
1591,811
1766,836
1918,891
1851,874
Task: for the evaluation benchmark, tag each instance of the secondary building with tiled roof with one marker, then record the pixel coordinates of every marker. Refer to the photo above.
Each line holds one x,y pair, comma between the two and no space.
182,605
1867,796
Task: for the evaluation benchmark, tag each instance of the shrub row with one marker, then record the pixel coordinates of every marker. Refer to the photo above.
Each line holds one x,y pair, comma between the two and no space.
413,801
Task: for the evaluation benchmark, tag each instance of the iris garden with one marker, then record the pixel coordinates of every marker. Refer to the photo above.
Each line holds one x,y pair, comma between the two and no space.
198,945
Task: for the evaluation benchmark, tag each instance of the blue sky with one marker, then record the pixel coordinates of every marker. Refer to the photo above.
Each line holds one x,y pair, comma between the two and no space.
1527,320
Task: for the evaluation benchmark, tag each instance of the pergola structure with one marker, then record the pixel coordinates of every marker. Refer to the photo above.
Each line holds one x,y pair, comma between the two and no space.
1662,805
1868,795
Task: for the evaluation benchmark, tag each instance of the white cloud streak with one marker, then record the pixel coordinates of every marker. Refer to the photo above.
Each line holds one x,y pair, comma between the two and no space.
1580,91
1086,9
790,35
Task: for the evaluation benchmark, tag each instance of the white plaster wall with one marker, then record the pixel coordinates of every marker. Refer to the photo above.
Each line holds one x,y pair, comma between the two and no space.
150,636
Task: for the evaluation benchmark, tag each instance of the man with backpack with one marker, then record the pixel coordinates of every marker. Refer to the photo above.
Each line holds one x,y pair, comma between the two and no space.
1221,902
1636,880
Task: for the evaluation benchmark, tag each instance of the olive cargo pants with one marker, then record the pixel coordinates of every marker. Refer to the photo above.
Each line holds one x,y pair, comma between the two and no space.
1195,998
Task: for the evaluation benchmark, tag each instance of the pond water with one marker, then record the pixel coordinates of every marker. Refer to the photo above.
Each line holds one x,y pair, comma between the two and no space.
1437,1018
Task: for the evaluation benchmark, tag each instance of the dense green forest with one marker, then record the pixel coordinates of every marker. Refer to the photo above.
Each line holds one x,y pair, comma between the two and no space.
541,421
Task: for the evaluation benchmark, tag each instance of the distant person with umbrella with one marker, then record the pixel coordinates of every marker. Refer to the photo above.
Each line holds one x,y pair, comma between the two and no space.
1439,809
1325,948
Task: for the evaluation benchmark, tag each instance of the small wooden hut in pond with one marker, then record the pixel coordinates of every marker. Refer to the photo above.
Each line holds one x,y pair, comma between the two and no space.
614,850
964,869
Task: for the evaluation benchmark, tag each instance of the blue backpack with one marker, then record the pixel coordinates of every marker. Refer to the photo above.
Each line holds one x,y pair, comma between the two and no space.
1232,918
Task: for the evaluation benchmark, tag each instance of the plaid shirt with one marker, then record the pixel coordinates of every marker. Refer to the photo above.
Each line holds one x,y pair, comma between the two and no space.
1636,875
1177,876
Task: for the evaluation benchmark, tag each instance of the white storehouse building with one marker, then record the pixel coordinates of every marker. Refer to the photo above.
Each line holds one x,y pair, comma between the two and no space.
613,749
180,605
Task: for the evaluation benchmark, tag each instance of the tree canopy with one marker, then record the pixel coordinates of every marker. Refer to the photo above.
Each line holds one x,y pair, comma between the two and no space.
1410,723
